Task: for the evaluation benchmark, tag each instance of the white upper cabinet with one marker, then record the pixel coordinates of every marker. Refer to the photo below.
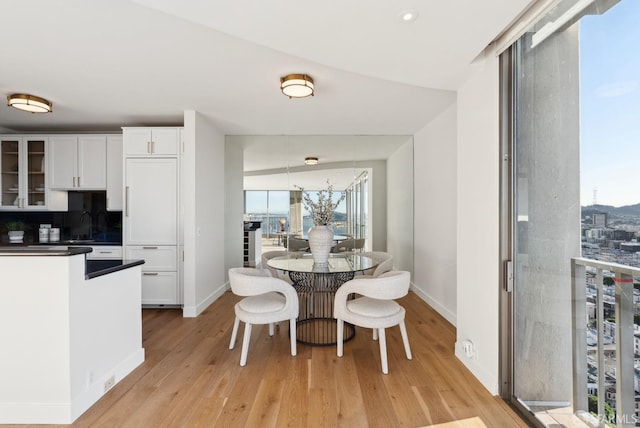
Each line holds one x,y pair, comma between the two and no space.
151,141
78,162
23,172
63,161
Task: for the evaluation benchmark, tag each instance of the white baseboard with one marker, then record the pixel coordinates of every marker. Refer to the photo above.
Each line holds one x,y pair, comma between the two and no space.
194,311
446,313
487,379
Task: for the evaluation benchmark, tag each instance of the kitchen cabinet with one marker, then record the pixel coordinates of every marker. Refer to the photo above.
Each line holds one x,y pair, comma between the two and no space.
159,288
23,179
159,273
114,172
78,162
156,257
151,141
151,204
151,210
105,252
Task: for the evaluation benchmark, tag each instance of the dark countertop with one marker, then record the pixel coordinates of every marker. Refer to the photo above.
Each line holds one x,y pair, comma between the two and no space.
42,250
99,267
93,268
76,242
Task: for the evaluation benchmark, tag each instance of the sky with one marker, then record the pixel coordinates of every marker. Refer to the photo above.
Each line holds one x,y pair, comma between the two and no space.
610,105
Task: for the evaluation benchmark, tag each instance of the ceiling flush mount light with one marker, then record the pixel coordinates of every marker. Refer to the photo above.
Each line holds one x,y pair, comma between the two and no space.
311,160
409,15
297,85
29,103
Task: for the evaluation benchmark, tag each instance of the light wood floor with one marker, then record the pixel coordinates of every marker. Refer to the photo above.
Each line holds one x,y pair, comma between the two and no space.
191,379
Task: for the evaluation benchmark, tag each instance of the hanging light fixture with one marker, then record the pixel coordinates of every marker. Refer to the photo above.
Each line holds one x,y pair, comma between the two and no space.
29,103
311,160
297,85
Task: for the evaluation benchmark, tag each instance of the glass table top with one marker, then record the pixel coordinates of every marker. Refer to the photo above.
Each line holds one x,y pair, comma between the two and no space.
339,262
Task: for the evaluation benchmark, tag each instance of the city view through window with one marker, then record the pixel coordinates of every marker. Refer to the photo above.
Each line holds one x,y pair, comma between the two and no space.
610,130
272,209
610,191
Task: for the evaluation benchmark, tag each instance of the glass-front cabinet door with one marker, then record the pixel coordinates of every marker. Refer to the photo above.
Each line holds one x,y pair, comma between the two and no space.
36,166
23,172
10,165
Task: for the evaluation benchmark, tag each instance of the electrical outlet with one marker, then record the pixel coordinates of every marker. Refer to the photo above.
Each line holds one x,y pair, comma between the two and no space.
109,383
468,348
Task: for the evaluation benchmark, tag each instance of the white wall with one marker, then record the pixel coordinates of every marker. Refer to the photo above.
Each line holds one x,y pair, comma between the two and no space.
435,170
203,193
478,221
399,205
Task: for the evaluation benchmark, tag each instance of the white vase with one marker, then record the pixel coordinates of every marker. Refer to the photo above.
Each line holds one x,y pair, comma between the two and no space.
320,243
16,236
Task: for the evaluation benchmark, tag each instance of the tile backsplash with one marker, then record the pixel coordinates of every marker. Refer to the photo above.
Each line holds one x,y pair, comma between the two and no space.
86,218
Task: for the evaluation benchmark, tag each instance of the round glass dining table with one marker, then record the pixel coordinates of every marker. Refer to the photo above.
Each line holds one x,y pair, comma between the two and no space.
316,287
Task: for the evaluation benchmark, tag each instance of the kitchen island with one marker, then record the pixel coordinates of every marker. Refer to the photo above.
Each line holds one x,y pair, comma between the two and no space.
70,330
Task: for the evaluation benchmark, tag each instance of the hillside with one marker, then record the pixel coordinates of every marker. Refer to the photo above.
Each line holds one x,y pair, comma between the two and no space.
626,211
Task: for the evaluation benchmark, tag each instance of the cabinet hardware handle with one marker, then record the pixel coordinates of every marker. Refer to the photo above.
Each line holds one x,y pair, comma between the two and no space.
149,248
153,147
78,181
105,252
150,273
74,182
126,201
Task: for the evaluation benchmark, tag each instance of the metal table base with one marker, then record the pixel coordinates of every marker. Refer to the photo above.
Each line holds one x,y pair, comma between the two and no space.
316,292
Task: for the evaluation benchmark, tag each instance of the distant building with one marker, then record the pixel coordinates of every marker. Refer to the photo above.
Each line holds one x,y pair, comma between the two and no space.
631,247
599,219
594,233
622,235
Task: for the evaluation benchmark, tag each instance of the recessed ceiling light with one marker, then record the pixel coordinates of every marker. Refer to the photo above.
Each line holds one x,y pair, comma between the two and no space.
409,15
311,160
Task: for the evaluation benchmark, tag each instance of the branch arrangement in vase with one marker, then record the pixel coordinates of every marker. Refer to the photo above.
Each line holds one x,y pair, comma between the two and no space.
321,211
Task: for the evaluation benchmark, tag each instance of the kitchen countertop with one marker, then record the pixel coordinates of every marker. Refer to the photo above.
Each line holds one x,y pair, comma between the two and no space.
98,267
41,250
76,242
93,268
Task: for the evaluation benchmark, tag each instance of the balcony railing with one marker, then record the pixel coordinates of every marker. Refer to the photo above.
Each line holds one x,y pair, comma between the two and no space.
586,356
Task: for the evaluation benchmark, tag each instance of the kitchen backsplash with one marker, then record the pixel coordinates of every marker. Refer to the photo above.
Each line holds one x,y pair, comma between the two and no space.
86,219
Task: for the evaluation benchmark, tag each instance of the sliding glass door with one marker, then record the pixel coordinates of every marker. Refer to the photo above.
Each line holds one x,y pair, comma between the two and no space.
545,127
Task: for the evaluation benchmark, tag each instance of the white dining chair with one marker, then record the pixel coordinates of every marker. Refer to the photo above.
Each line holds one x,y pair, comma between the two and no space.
348,245
384,263
297,245
376,309
266,300
268,255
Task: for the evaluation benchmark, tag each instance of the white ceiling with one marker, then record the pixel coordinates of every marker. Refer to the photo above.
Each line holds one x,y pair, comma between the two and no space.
108,64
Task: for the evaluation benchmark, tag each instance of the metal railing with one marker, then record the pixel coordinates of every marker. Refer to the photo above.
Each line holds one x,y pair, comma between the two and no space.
623,339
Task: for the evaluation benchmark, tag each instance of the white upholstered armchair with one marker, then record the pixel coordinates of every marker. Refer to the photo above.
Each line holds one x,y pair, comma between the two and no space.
266,300
376,308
